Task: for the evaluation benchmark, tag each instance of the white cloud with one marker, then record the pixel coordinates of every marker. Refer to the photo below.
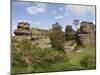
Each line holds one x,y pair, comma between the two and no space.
76,10
92,10
59,17
23,20
79,11
36,23
13,28
37,9
67,14
61,9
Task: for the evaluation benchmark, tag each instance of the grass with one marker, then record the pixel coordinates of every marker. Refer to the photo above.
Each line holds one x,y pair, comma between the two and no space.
48,60
76,56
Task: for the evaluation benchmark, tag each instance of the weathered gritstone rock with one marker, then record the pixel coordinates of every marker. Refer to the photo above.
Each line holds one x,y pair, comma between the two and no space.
37,36
86,35
70,45
22,31
87,27
42,43
87,39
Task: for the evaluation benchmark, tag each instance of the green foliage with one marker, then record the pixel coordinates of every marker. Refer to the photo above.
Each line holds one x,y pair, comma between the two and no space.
45,57
57,38
56,26
70,33
88,61
20,53
29,58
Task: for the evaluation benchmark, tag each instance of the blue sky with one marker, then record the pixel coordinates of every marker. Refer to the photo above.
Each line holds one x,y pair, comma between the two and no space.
43,15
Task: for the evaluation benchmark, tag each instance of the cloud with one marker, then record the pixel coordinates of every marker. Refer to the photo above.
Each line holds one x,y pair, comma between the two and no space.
79,11
36,23
59,17
67,14
92,11
13,28
61,9
37,9
23,20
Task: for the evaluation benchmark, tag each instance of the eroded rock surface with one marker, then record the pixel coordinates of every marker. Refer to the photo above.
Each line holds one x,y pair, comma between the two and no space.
86,35
70,45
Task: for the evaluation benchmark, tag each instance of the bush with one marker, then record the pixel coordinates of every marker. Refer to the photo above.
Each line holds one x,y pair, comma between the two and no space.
88,61
29,58
20,53
57,37
46,57
70,33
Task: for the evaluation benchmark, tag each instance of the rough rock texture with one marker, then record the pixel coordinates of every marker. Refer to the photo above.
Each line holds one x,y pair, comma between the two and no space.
86,36
87,27
37,36
42,43
70,45
22,31
40,38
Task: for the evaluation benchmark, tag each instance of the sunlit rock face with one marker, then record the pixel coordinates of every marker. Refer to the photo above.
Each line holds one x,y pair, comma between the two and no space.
23,31
86,35
23,28
37,36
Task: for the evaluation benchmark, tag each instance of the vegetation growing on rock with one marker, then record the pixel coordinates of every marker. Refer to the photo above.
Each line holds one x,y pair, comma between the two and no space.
57,37
53,50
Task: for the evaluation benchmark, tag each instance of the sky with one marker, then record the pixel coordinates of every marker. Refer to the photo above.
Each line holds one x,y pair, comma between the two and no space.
43,15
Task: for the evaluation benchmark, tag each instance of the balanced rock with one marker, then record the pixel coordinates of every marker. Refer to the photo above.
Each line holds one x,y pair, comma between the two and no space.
23,31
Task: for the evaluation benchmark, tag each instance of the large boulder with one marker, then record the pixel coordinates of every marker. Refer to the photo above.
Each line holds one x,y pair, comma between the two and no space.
86,27
23,28
86,33
86,39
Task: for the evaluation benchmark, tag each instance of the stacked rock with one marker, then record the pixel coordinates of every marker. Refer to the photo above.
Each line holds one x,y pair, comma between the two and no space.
86,36
23,29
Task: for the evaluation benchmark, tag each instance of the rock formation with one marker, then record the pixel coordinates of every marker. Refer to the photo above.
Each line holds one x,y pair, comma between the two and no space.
40,38
22,31
37,36
70,45
86,34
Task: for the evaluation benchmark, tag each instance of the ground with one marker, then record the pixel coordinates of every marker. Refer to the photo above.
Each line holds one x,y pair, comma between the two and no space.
81,51
53,60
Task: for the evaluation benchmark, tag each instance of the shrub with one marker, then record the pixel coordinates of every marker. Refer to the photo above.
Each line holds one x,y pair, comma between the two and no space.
70,33
88,61
57,37
25,55
20,53
47,57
